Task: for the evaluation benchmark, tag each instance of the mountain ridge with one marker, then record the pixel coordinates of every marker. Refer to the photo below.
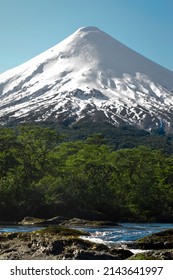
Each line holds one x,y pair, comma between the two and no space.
89,76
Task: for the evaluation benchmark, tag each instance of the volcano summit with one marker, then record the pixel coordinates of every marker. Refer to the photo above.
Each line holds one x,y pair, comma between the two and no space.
89,76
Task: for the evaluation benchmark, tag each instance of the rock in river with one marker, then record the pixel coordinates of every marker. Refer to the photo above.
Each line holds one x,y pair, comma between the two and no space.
55,243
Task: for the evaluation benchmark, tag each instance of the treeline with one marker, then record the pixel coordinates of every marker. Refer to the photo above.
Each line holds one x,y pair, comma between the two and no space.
42,175
121,137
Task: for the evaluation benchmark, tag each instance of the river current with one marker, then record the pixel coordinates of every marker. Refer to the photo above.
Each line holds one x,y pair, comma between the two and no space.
124,233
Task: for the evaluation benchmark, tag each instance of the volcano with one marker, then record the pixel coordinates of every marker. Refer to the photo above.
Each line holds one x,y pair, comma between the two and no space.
88,77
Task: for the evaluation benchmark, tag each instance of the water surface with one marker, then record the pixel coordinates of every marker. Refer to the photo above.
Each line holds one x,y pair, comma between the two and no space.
125,232
16,228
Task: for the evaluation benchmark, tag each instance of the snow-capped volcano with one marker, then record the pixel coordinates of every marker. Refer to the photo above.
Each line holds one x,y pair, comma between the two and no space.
89,76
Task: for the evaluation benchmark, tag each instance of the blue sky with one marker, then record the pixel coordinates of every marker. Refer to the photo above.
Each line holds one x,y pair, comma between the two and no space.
29,27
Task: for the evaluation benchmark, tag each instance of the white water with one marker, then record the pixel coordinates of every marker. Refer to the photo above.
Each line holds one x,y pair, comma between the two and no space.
124,233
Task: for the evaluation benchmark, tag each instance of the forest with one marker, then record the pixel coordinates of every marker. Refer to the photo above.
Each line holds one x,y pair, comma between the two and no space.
124,175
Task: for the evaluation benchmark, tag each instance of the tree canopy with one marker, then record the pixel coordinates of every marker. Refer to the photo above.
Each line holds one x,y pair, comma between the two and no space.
43,175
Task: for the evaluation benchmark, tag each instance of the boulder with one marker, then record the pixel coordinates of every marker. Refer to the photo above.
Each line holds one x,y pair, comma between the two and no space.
157,246
153,255
55,220
83,222
31,221
55,243
158,241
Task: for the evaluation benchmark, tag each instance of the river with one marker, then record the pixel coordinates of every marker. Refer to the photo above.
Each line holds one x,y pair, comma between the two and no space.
16,228
124,233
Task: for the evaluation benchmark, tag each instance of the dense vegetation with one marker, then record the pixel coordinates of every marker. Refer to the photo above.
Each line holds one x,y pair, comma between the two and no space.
45,173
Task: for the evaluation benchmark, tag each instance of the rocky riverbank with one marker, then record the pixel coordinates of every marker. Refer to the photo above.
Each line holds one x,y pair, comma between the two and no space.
60,220
56,243
158,246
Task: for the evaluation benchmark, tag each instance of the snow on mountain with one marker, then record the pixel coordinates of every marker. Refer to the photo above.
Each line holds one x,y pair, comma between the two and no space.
89,76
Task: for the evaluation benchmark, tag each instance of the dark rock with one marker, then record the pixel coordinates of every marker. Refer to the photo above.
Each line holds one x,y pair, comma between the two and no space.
61,231
157,246
61,220
160,240
153,255
121,253
92,255
57,247
55,220
82,222
31,221
55,243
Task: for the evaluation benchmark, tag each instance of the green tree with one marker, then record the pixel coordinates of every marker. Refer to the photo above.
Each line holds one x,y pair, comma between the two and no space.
35,145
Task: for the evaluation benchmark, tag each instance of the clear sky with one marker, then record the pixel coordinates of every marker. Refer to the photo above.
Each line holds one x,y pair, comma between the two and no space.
29,27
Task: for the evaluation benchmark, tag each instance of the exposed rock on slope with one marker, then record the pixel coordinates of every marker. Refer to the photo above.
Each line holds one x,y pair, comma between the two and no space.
88,77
